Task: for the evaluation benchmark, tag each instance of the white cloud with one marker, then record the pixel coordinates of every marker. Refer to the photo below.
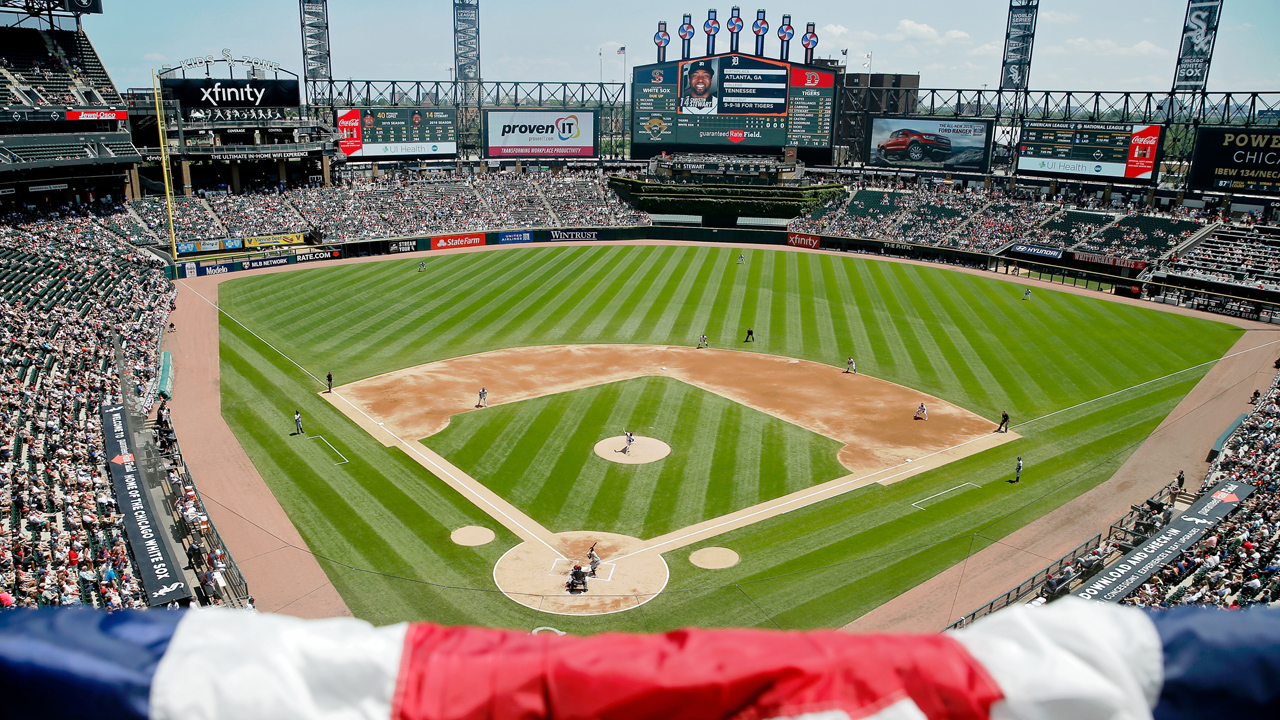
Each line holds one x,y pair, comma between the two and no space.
155,57
835,30
991,49
1053,17
923,32
1107,48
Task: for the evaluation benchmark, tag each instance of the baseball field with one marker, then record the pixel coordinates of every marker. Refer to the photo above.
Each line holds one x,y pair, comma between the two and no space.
837,499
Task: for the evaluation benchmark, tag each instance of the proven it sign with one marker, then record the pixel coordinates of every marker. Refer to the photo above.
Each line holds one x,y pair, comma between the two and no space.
540,134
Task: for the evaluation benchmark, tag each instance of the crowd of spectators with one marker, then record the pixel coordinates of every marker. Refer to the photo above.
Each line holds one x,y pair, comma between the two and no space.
253,214
1140,237
1238,256
1236,563
584,200
70,286
191,219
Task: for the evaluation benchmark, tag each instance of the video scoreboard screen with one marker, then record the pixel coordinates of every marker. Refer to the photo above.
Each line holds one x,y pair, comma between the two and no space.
1236,160
732,101
1077,150
398,132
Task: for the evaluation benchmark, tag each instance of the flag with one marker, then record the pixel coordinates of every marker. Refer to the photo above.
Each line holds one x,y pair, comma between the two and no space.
1071,660
622,50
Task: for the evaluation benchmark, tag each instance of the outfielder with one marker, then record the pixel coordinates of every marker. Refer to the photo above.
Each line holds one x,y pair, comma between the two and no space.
742,259
422,266
922,412
1026,294
297,422
1017,473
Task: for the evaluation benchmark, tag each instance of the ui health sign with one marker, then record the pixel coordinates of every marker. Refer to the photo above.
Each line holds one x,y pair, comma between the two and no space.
1186,528
540,134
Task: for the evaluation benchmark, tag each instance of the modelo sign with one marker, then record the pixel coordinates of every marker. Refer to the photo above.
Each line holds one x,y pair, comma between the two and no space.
232,93
540,134
446,242
813,242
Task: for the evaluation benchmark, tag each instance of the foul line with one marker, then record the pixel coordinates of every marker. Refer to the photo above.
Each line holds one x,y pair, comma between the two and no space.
331,447
944,492
400,440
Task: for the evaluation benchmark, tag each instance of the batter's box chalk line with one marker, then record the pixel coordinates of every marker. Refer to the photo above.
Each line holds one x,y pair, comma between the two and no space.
331,447
916,504
568,565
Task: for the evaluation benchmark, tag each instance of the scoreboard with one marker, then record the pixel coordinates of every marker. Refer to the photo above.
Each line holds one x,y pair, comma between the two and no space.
1090,150
731,101
397,132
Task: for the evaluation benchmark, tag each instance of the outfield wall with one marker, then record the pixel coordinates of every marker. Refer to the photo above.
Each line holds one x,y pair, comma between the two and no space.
392,246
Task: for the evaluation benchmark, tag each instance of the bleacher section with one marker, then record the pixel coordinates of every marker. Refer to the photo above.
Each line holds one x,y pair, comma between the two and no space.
514,200
1070,228
53,67
1140,237
190,219
1236,256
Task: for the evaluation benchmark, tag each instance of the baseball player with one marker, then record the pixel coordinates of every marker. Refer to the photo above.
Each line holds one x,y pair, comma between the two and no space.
329,379
702,341
630,439
922,412
1004,422
1026,294
742,259
851,367
1017,473
751,335
297,423
484,398
422,266
594,559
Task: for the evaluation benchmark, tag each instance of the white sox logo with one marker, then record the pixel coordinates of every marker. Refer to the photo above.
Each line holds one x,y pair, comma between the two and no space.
166,590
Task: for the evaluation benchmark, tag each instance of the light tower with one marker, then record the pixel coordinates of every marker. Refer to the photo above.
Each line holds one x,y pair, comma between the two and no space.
315,40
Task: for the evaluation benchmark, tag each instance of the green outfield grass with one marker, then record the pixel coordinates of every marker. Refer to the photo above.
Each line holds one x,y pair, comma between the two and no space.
382,522
725,456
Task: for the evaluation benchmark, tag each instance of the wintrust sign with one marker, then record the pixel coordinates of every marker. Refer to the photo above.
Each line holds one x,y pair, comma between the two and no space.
813,242
446,242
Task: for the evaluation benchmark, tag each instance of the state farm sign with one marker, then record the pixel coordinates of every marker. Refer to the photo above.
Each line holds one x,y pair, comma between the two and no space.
444,242
813,242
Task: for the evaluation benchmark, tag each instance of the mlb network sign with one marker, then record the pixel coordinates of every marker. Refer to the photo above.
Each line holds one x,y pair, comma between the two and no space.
540,134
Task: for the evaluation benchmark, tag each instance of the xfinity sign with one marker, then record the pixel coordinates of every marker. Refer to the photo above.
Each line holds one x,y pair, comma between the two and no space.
232,93
568,133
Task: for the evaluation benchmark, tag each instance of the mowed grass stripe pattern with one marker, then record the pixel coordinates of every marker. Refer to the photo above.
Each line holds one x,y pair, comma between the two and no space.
538,454
969,339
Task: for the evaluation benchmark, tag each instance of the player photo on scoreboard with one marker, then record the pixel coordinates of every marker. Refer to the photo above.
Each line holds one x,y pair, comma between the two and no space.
699,87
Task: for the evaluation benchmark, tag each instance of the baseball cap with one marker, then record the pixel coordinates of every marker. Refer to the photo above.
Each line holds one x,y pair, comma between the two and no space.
702,65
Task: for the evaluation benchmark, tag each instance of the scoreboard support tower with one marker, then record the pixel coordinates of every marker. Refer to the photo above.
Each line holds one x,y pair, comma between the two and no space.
315,39
466,73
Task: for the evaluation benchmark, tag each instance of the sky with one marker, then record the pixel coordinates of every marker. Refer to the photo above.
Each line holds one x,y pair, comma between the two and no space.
1080,44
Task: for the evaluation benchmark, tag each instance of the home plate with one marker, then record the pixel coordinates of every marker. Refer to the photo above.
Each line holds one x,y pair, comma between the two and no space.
562,566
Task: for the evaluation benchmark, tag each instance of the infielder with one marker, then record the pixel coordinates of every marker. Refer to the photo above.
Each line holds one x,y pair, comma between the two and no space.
702,341
297,422
851,367
484,398
922,412
594,559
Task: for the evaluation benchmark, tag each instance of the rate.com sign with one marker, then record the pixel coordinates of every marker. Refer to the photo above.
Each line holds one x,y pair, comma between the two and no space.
540,134
446,242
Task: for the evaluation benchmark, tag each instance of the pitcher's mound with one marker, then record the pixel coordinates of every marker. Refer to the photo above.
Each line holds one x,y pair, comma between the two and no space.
643,450
714,558
472,535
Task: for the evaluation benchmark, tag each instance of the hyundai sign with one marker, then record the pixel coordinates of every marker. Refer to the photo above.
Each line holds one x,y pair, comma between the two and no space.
540,134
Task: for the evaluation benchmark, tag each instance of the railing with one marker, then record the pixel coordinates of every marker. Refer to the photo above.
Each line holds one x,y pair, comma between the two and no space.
1030,586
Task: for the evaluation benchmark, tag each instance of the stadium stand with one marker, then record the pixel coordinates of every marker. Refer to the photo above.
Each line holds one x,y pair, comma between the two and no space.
191,218
254,214
69,284
1233,255
1238,563
1069,228
53,67
1140,237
